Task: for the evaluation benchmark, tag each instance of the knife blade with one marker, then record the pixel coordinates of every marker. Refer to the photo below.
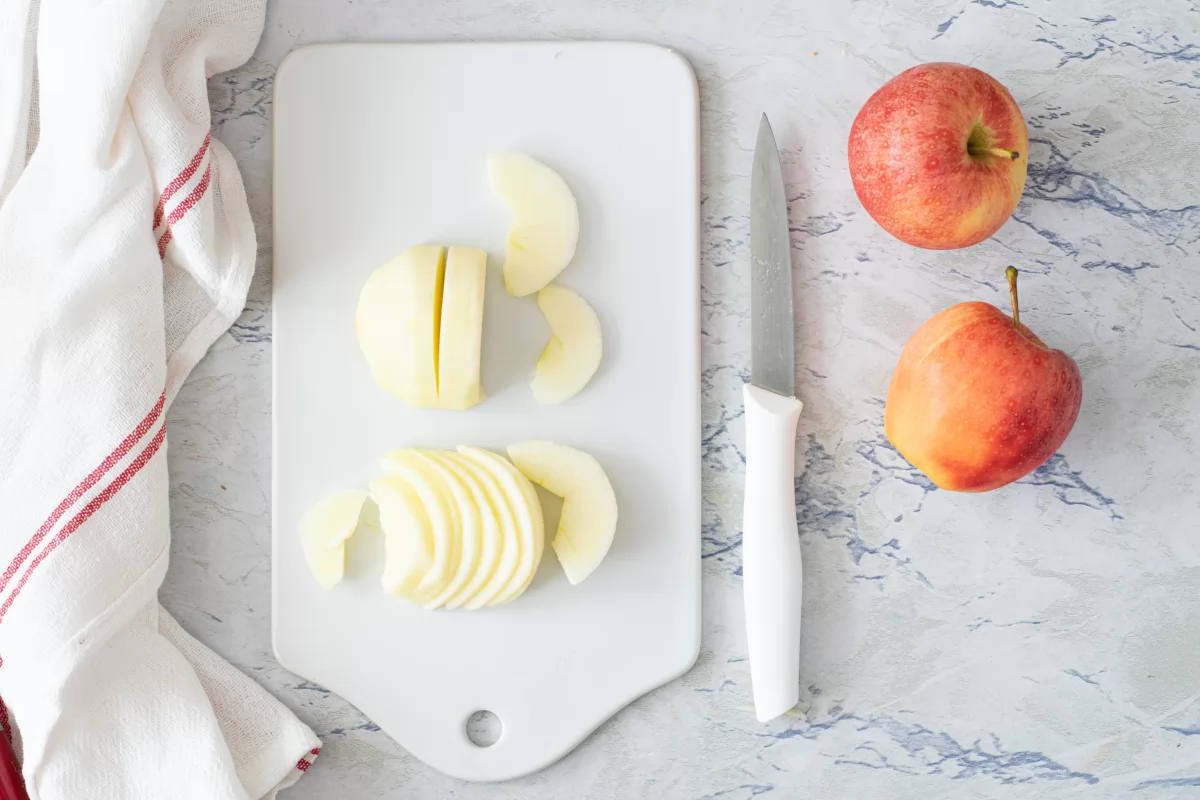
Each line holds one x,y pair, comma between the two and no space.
771,322
771,562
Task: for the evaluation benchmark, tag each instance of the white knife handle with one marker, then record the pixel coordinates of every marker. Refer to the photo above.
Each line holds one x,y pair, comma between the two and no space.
771,570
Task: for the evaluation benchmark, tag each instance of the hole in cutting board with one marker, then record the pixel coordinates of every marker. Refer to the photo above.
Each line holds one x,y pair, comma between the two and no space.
484,728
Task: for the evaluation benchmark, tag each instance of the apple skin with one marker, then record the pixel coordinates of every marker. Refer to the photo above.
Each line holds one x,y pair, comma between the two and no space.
975,403
910,164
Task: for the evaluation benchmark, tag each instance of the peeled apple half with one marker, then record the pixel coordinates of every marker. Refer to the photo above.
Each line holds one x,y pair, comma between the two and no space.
420,325
545,226
398,321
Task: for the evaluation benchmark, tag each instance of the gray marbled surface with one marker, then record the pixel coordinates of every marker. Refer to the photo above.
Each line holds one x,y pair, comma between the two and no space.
1040,641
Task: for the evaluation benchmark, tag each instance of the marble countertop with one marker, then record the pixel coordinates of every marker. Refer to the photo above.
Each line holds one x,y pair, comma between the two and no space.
1039,641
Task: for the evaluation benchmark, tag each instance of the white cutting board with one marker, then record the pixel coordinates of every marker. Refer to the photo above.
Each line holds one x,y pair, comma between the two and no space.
381,147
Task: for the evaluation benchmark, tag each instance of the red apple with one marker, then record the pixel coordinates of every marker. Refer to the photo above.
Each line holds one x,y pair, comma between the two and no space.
977,400
938,156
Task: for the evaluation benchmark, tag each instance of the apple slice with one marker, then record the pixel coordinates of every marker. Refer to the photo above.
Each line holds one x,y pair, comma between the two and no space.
572,355
408,537
527,512
462,328
443,520
589,512
398,324
467,529
489,526
324,530
509,545
545,226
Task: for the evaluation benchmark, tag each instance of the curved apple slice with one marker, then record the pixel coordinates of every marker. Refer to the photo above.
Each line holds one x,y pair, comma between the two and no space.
324,529
572,355
398,324
407,537
489,539
443,520
527,512
495,505
545,227
589,513
467,529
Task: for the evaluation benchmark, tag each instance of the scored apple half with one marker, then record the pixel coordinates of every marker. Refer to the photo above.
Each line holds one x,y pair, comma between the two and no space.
324,530
398,323
461,332
420,325
545,226
572,355
589,512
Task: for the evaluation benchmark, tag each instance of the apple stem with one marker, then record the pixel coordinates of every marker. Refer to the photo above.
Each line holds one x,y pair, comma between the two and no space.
1011,274
998,152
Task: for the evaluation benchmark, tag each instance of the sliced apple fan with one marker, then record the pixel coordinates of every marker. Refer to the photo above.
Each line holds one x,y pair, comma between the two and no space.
464,529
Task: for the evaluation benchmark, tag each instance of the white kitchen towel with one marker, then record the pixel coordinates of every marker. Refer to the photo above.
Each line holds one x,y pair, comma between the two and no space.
126,248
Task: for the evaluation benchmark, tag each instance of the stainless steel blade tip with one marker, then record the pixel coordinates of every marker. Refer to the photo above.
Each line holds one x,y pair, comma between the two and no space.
772,328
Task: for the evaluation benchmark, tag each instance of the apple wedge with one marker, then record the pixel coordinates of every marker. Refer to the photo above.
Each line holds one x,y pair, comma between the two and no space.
572,355
589,512
489,526
408,537
443,520
324,530
523,503
545,227
461,335
398,324
467,529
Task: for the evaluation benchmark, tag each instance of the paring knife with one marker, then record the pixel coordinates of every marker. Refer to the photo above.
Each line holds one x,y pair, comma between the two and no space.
771,569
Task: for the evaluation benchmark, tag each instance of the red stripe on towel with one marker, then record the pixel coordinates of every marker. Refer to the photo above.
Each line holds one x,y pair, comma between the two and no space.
86,512
180,179
91,480
182,209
